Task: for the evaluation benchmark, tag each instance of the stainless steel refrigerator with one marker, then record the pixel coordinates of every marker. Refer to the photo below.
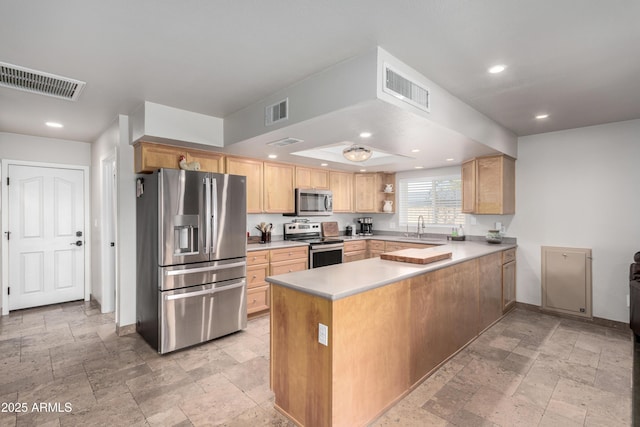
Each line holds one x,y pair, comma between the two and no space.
191,257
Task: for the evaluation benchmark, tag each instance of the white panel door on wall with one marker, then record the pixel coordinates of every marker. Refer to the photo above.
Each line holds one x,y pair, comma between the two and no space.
46,245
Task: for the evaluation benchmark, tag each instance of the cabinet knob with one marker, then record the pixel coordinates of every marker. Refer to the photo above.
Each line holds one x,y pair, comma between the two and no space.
254,276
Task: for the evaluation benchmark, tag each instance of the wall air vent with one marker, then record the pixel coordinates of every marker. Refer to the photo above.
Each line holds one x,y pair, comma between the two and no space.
284,142
16,77
400,86
277,112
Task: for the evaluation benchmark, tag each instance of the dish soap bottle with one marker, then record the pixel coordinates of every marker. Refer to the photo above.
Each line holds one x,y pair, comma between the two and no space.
460,231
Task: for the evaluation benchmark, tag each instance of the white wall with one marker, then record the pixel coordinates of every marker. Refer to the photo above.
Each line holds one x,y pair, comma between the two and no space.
14,146
102,148
579,188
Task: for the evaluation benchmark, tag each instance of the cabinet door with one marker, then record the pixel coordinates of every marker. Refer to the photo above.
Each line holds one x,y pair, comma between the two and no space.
469,186
149,157
508,285
341,184
278,188
209,161
490,289
252,169
257,300
312,178
366,192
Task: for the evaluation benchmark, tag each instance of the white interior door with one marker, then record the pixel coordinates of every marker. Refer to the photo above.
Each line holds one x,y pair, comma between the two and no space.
46,244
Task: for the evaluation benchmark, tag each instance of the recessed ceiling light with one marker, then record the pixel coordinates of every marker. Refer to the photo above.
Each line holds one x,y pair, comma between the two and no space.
54,124
497,69
363,170
418,167
273,156
415,150
324,164
365,134
449,159
542,116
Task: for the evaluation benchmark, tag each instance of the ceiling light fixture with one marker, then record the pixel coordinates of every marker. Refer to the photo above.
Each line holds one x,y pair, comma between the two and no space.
363,170
324,164
542,116
450,159
418,167
54,124
365,134
497,69
415,150
273,156
357,153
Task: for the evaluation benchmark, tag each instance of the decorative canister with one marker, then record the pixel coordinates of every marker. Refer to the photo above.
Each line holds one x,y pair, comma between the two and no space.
388,188
388,206
494,236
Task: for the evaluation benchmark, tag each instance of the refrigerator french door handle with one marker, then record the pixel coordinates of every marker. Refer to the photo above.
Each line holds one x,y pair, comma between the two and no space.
207,214
213,217
204,269
205,292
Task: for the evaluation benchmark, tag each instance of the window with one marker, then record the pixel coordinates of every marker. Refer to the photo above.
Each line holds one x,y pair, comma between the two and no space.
437,199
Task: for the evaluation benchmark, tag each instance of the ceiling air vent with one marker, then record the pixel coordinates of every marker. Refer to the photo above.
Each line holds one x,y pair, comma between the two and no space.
16,77
408,91
276,112
284,142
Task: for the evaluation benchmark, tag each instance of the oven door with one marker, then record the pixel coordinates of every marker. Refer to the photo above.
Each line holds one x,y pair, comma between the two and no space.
322,255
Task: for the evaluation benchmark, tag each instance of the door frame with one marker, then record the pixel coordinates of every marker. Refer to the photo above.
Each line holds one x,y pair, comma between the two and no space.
109,233
4,170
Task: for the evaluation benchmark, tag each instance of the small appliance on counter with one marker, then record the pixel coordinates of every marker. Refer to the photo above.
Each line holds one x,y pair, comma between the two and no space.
366,226
348,230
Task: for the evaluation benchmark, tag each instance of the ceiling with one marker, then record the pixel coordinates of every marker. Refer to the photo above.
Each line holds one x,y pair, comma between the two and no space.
576,60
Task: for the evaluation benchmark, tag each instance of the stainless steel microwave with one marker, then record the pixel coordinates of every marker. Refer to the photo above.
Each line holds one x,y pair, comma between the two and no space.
313,202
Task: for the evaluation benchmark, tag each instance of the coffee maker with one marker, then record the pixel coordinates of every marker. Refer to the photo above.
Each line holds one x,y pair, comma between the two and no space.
366,226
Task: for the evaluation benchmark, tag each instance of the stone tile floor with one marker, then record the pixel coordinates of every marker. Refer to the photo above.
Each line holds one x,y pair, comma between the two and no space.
529,369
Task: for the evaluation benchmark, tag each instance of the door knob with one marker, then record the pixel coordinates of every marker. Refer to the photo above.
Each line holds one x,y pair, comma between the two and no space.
77,243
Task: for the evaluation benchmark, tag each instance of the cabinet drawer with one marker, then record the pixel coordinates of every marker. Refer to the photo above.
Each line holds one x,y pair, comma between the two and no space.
256,275
376,245
359,245
257,299
288,267
508,255
354,256
374,254
296,252
257,257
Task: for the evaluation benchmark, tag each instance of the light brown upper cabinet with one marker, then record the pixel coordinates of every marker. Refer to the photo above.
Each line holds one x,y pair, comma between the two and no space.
252,169
210,161
278,188
312,178
488,185
341,184
370,194
366,192
149,157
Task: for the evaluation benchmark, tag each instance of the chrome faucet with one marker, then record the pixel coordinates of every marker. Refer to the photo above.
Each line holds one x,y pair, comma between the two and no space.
420,218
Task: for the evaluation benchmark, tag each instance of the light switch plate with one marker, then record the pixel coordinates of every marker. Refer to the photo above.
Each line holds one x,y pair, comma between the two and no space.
323,334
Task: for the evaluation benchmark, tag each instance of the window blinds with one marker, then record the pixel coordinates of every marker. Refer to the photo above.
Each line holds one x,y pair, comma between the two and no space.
437,199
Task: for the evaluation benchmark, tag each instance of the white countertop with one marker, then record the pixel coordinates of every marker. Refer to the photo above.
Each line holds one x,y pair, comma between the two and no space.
279,244
338,281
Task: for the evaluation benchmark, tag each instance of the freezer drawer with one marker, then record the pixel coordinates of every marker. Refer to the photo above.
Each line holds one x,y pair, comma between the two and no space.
182,276
201,313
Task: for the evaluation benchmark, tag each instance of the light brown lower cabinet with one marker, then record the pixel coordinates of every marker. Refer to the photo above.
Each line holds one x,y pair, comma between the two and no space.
355,251
257,287
396,335
508,279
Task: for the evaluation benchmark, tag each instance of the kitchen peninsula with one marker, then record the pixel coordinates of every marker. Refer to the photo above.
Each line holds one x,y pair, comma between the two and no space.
389,325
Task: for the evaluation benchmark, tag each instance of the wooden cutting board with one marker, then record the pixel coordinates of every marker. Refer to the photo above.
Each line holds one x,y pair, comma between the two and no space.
417,256
330,229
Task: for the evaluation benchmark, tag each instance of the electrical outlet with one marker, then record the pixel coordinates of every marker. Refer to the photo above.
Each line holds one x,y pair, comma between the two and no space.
323,334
